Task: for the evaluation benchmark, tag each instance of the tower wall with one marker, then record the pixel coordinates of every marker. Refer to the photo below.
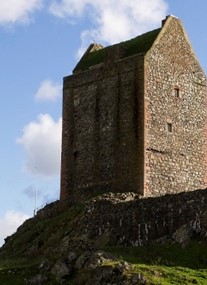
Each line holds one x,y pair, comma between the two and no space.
136,123
175,115
102,142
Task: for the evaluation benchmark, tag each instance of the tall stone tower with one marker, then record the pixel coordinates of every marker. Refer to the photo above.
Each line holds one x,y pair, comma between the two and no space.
134,118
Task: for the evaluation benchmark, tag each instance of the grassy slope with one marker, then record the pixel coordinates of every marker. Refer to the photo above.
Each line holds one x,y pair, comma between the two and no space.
154,269
159,264
167,265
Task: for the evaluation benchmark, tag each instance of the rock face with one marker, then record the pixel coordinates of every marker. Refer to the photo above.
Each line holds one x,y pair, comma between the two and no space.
97,272
36,280
124,219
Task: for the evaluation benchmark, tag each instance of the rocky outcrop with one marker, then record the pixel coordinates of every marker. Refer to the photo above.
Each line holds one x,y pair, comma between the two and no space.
128,219
72,243
100,268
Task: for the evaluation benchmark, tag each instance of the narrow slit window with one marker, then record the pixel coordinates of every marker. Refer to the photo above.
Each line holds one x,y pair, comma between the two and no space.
75,153
177,92
169,127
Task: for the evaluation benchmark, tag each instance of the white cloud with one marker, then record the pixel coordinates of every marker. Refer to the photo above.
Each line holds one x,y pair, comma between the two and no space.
48,91
10,222
112,20
41,140
71,8
13,11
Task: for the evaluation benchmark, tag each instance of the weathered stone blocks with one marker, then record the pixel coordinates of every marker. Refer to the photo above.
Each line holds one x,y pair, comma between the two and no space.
135,122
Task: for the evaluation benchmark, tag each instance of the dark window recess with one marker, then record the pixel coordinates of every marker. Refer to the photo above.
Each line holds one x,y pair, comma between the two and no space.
169,127
75,153
177,92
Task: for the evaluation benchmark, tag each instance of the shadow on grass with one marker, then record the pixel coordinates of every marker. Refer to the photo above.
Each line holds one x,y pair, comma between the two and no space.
194,256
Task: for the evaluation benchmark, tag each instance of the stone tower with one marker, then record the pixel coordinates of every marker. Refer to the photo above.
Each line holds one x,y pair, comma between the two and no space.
134,118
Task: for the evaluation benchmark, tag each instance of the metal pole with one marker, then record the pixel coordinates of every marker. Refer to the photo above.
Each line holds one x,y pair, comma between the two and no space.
35,197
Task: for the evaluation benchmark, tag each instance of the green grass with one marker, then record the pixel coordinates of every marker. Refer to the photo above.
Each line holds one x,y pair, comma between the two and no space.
154,274
16,274
165,275
136,45
159,264
41,234
193,256
167,265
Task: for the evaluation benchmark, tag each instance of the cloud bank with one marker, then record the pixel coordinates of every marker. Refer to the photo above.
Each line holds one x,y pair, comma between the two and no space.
9,223
112,21
14,11
48,91
41,140
108,21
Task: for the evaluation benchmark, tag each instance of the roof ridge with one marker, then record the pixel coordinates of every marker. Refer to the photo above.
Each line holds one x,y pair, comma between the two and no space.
139,44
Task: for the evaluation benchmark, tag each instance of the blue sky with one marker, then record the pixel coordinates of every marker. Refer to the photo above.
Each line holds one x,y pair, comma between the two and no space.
40,43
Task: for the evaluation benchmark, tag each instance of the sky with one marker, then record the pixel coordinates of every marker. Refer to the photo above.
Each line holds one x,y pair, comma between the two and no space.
40,43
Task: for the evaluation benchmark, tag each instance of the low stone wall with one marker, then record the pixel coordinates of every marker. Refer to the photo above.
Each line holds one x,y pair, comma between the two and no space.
126,219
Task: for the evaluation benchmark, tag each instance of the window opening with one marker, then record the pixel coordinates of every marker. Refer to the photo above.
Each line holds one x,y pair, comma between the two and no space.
75,153
169,127
177,92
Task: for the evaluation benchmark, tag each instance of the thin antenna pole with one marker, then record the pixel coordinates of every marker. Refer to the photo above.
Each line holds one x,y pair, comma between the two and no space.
35,195
35,201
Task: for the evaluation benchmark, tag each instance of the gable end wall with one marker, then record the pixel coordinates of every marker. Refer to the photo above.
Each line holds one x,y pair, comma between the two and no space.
174,161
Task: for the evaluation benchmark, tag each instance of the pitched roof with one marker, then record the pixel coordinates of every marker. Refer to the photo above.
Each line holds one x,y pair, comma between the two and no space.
131,47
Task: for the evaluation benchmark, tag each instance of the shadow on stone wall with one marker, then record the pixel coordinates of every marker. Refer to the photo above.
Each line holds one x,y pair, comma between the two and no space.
127,219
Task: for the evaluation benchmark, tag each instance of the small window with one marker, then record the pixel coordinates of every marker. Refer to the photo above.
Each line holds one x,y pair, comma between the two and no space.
75,153
177,92
169,127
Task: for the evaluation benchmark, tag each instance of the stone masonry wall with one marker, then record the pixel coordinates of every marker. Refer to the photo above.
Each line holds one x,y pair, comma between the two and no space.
136,124
125,219
102,145
174,158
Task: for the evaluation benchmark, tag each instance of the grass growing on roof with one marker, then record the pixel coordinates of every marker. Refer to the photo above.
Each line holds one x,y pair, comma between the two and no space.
134,46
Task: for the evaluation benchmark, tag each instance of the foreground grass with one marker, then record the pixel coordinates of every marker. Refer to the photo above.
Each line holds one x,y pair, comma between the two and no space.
164,275
167,265
193,256
16,275
160,265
